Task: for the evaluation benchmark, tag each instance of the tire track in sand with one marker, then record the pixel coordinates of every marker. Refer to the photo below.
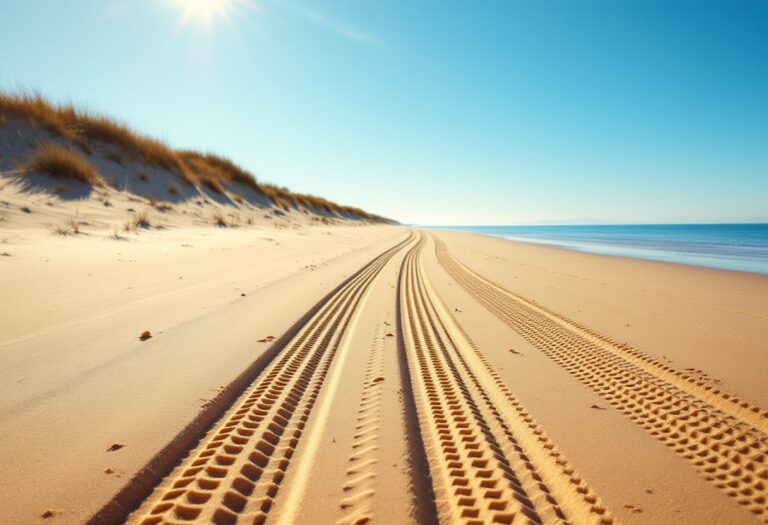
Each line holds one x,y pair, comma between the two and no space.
362,472
236,471
723,437
489,463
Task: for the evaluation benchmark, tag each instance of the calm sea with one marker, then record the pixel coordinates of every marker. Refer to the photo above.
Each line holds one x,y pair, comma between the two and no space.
741,247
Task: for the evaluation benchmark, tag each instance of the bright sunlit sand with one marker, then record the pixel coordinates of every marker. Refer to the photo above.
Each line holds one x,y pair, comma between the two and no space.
347,263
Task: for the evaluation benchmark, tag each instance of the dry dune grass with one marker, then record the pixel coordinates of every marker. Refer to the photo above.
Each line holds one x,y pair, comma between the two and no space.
211,176
60,162
160,205
141,219
33,107
280,196
219,219
84,129
69,227
214,169
145,149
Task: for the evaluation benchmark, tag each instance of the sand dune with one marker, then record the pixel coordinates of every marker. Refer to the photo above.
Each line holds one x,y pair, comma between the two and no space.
377,375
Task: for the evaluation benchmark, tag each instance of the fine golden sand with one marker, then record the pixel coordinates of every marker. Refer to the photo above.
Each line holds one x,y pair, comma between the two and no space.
295,372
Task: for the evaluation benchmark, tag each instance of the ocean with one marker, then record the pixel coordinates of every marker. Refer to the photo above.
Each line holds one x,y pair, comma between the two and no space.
740,247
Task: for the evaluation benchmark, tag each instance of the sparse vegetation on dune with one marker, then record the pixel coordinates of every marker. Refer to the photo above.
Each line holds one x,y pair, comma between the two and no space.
218,218
148,150
215,186
84,129
279,196
70,227
140,219
214,168
218,174
60,162
160,205
34,108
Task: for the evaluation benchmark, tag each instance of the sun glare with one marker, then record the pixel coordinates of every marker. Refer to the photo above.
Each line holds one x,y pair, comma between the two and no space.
203,11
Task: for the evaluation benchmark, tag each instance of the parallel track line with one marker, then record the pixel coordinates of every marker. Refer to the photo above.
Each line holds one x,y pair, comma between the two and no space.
489,464
235,473
724,440
359,485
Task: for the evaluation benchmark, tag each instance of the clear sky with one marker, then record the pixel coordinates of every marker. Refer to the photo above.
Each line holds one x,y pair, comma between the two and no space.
432,112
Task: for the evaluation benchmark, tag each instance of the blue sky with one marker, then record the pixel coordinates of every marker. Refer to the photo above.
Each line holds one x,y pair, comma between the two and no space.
444,112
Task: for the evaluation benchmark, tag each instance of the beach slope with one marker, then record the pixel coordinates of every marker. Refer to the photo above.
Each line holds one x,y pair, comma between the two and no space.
346,374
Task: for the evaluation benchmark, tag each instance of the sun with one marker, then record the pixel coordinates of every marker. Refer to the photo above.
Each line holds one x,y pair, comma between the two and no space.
204,11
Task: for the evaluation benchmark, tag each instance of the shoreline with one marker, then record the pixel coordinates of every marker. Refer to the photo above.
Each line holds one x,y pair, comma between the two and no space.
544,270
623,248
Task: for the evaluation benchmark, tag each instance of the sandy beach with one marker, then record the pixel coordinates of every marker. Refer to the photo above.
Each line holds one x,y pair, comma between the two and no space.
343,374
383,263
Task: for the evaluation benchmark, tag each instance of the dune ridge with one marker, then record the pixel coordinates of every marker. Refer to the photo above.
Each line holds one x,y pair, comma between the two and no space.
82,151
